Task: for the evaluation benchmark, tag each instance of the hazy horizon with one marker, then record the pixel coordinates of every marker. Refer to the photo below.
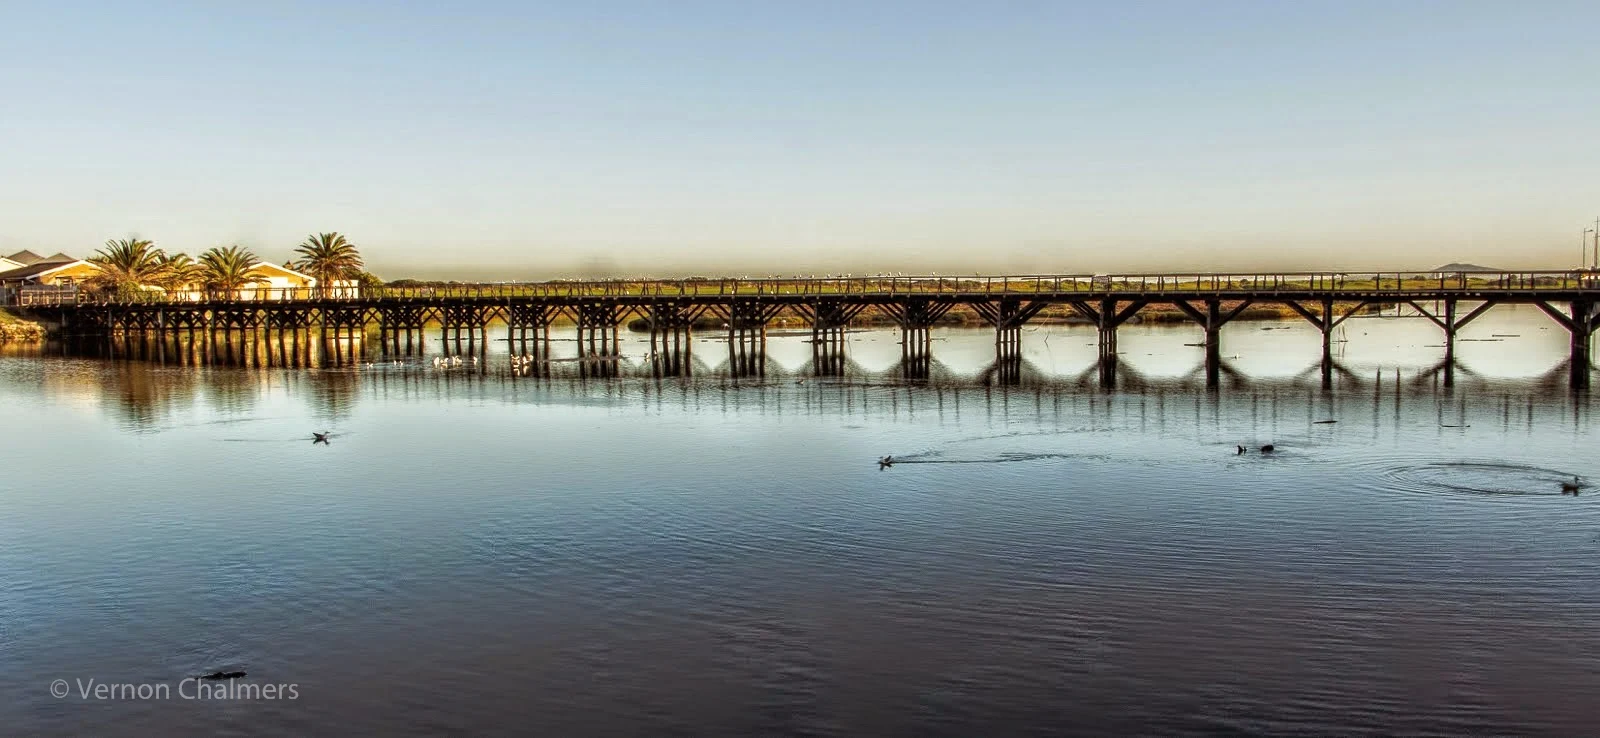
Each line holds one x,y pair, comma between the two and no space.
496,141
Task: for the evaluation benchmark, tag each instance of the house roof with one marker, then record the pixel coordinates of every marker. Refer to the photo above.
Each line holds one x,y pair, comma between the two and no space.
7,264
25,257
39,269
58,256
284,269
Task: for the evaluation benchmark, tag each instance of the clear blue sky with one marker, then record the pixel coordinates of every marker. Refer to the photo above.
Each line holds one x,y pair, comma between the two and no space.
497,138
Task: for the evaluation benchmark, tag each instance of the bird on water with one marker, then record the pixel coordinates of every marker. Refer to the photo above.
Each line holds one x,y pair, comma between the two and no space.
885,462
1269,448
1241,451
220,675
1572,486
317,438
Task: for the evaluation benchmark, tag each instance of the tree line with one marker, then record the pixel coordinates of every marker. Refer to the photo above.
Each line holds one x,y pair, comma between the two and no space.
130,265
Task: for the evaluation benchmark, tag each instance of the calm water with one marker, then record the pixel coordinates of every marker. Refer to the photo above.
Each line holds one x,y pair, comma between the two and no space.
476,553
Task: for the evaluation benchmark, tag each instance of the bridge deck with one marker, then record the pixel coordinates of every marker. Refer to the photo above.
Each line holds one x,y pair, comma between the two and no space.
1517,286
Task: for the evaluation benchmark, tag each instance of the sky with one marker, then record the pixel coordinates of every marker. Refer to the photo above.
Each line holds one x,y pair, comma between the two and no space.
515,140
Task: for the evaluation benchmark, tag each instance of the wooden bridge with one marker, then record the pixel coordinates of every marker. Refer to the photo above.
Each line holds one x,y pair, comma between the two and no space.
464,313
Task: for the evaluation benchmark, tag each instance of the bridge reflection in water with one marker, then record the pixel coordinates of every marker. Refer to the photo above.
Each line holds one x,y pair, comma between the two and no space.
146,396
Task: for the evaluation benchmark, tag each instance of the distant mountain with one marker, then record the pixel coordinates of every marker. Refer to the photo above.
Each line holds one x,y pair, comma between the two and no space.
1459,267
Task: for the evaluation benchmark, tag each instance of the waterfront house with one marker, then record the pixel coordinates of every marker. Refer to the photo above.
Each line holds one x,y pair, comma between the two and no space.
281,283
45,279
278,283
21,259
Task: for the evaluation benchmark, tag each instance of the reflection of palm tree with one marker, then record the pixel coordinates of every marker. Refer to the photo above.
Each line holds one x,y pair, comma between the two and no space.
128,264
227,270
330,258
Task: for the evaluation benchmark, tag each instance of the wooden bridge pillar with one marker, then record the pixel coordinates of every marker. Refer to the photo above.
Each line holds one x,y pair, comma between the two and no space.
1213,326
1211,321
348,327
747,334
829,319
463,328
1107,317
1325,327
395,321
528,337
1579,321
1450,328
1008,315
1582,330
916,317
1450,324
599,346
672,337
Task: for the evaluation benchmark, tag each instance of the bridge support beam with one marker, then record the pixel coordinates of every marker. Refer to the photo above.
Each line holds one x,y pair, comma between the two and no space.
1008,315
1580,322
599,346
829,320
294,322
528,338
348,326
1211,319
672,336
1325,322
1107,318
463,321
916,318
1448,322
746,320
395,321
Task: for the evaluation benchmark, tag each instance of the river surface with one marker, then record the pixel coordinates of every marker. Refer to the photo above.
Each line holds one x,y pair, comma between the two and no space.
477,553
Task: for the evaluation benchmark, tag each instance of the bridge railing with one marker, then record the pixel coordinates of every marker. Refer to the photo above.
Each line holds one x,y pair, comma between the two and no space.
45,295
1243,283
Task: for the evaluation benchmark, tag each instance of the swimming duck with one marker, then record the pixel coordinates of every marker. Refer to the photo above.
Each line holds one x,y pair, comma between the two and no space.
1269,448
1241,451
1572,486
317,438
885,462
220,675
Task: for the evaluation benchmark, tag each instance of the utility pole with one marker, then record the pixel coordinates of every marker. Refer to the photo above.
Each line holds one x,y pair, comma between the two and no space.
1583,248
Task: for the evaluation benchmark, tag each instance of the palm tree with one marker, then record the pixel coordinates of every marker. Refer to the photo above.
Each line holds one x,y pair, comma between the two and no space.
227,270
180,273
330,258
128,264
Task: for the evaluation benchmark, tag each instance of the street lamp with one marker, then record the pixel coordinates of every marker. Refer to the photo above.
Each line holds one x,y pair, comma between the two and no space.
1596,231
1583,247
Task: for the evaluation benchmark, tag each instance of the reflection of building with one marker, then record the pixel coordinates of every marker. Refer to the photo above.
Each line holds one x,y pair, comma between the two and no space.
41,278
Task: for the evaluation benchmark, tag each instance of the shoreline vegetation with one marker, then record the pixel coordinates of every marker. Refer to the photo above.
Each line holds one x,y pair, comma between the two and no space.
16,328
